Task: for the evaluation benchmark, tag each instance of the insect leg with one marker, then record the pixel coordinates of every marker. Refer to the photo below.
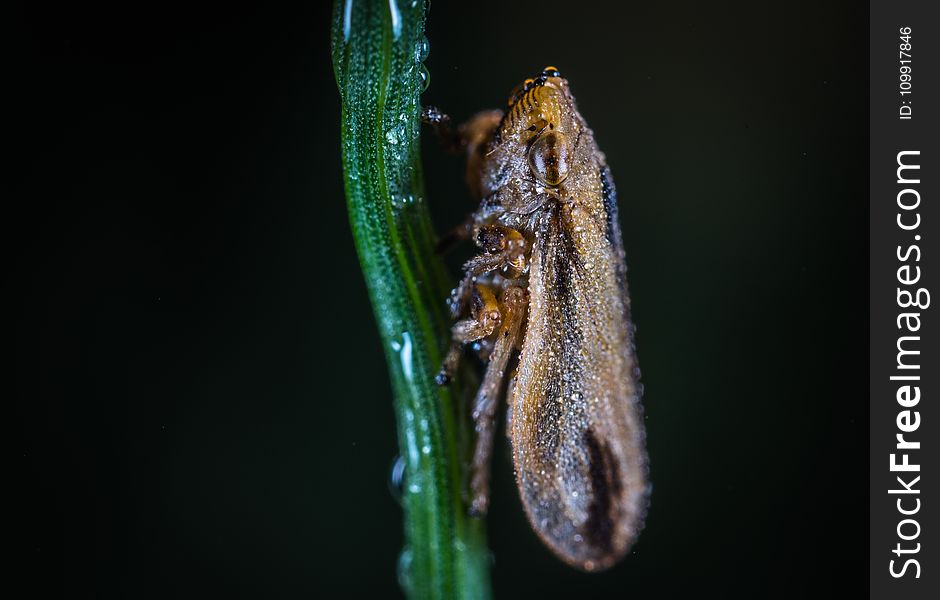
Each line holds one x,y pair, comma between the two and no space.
477,133
506,243
444,128
490,207
470,136
485,318
512,305
504,248
473,268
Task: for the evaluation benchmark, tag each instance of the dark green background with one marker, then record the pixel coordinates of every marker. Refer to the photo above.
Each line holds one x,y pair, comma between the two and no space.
201,404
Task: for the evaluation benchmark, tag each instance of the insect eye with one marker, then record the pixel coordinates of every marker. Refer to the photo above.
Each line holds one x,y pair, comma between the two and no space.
549,158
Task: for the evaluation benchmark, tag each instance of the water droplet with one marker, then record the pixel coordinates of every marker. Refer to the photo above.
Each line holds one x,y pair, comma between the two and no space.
406,356
404,570
396,18
424,77
424,48
396,478
392,136
347,19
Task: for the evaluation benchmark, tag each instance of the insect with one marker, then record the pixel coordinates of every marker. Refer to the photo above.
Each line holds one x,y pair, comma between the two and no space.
549,311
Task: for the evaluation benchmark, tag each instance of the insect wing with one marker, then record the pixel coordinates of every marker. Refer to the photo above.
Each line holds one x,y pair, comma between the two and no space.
577,433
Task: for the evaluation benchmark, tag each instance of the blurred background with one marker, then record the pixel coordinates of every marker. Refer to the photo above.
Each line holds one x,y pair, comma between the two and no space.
201,399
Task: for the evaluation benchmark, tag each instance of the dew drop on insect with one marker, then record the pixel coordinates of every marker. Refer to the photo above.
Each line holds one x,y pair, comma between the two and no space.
424,78
424,48
404,570
396,478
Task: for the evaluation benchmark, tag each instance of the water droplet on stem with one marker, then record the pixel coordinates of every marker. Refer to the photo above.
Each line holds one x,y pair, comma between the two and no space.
423,49
396,478
404,570
424,78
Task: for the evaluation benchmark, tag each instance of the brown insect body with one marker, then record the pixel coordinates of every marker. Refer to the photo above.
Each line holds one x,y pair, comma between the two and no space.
554,258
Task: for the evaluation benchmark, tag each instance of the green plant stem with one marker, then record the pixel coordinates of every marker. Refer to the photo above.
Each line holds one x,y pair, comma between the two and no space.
377,61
